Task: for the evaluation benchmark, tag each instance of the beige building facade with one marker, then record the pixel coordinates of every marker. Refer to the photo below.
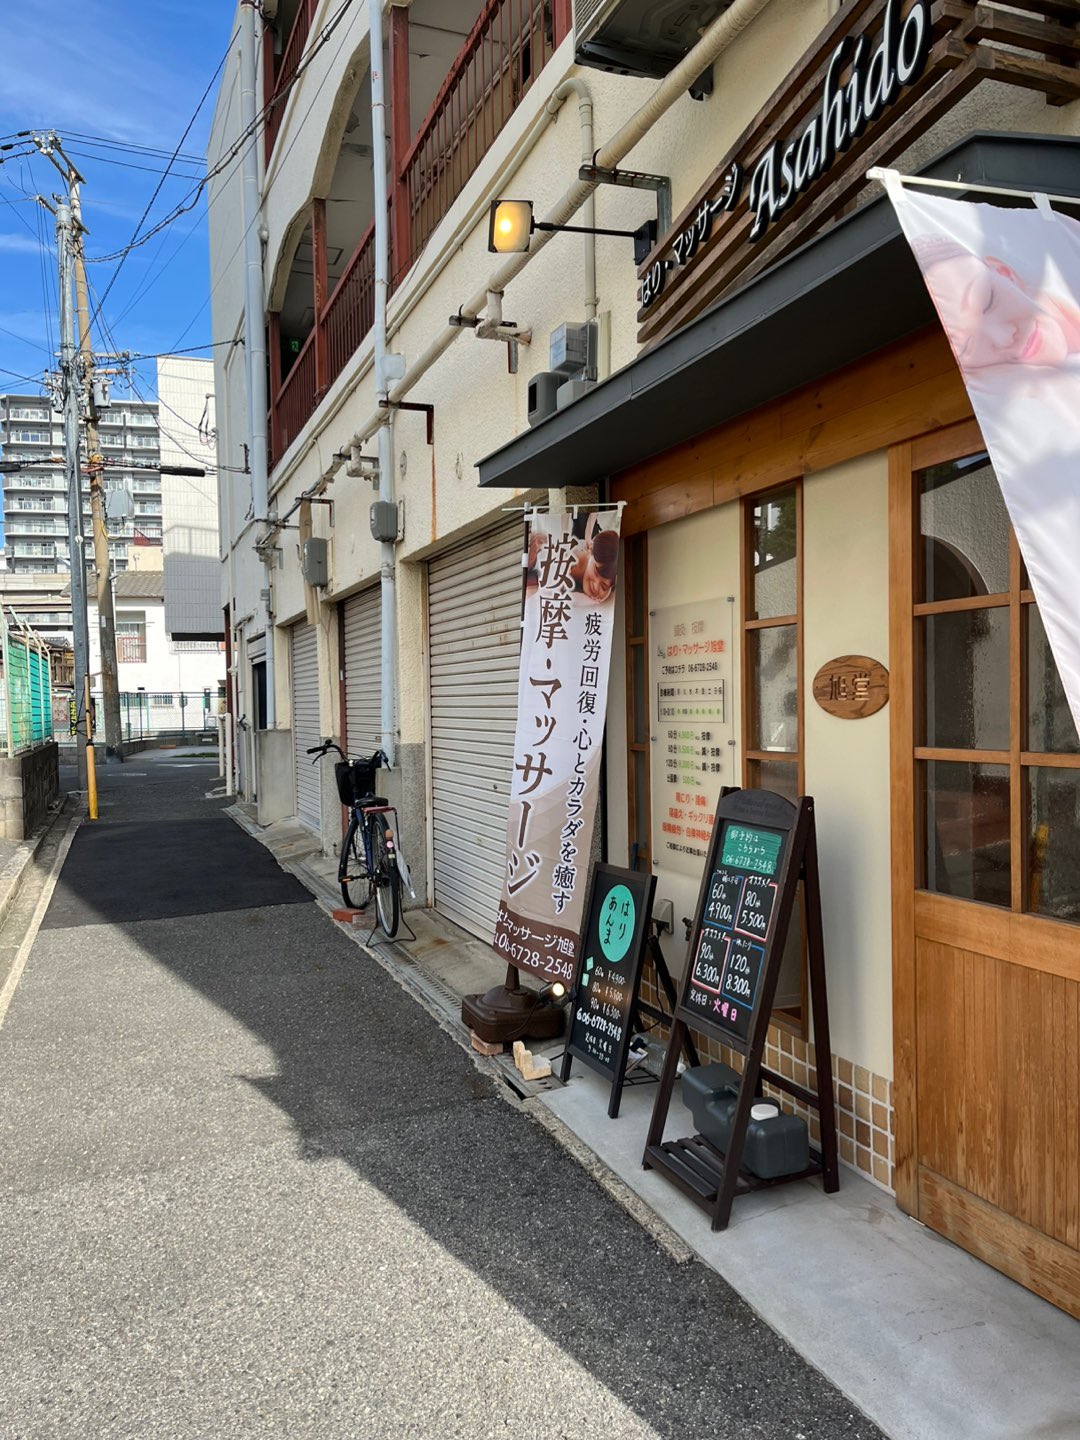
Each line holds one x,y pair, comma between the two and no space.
795,454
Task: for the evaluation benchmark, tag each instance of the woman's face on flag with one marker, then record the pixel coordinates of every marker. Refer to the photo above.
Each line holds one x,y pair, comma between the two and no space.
991,318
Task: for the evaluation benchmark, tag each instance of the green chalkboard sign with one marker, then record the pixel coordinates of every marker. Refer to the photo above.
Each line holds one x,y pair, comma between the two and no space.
611,954
761,848
749,847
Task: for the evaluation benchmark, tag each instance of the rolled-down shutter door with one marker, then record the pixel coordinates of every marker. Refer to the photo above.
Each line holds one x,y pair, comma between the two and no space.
474,636
305,708
363,672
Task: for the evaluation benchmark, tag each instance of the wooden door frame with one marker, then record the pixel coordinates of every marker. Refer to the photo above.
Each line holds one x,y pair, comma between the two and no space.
1038,1260
904,459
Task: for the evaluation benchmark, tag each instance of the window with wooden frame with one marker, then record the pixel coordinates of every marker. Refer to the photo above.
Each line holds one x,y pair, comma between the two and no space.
996,749
636,613
772,688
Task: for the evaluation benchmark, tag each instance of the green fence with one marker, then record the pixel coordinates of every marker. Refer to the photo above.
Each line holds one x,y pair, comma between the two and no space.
26,713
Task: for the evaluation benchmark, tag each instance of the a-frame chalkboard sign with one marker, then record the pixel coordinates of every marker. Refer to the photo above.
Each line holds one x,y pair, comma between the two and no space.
761,847
614,942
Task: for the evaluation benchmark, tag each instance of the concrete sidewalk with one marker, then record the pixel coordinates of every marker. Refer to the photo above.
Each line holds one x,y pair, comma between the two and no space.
249,1188
928,1341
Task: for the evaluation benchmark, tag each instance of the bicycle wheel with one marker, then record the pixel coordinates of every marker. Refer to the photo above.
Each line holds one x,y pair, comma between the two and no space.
352,868
385,877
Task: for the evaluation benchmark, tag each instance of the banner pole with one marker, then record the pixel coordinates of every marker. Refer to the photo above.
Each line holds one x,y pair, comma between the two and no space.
878,172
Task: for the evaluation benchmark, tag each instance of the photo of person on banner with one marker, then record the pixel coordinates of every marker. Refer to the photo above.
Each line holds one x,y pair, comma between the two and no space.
596,555
1005,282
994,318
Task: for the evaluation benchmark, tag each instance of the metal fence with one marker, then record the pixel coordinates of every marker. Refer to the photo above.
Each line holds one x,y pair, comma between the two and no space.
183,715
26,716
180,713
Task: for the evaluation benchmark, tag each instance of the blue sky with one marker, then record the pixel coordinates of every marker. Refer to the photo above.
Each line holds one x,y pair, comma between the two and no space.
129,72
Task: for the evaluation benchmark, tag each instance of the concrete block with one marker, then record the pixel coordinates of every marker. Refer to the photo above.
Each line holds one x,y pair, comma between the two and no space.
485,1047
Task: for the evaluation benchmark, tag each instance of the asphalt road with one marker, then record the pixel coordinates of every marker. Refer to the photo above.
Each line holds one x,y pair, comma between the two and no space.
249,1188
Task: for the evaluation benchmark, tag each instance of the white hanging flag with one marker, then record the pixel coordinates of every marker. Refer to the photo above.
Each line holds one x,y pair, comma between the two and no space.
1006,287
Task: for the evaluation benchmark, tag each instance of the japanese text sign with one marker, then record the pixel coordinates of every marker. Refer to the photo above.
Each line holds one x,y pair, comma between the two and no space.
562,700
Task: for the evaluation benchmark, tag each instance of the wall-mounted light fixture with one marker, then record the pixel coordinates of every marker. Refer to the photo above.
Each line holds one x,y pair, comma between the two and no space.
511,226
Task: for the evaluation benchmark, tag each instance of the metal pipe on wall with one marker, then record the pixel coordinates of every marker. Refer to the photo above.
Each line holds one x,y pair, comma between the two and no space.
720,34
254,335
388,578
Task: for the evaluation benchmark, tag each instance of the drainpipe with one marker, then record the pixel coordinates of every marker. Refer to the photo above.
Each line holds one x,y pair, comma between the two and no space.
720,34
254,337
388,595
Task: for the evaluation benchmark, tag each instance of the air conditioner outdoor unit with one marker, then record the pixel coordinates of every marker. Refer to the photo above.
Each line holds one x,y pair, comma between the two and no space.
640,37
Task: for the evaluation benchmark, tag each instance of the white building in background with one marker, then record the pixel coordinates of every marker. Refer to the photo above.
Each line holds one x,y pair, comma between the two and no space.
166,680
189,503
164,554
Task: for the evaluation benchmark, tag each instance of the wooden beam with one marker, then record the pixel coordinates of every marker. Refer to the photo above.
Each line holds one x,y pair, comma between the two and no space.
903,391
400,141
562,21
320,288
273,351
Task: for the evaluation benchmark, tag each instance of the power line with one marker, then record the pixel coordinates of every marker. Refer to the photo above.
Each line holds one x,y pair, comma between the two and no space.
237,146
130,146
29,379
323,39
46,293
157,188
128,165
111,339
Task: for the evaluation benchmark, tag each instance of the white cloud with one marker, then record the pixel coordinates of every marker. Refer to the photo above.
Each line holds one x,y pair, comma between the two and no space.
19,244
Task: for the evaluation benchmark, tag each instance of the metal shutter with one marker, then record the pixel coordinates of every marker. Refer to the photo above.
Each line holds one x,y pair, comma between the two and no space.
363,690
305,706
474,637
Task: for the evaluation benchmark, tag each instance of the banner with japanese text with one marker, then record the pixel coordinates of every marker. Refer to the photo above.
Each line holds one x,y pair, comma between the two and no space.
573,562
1006,287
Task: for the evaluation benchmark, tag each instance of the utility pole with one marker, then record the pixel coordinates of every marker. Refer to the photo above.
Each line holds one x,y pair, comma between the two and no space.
69,388
110,678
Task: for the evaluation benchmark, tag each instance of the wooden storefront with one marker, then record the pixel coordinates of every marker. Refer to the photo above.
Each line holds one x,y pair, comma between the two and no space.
787,337
986,990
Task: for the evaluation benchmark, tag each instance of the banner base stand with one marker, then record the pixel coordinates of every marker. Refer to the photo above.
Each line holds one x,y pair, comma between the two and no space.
504,1014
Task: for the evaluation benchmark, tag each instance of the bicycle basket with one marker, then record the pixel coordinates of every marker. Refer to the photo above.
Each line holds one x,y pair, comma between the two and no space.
355,779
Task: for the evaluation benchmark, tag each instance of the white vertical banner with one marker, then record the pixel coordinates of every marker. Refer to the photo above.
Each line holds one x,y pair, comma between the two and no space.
566,635
1005,284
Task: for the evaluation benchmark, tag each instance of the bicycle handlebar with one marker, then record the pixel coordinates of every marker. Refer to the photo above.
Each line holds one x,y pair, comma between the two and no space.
380,757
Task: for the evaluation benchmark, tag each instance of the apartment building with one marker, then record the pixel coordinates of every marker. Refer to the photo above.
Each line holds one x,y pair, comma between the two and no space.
767,390
35,499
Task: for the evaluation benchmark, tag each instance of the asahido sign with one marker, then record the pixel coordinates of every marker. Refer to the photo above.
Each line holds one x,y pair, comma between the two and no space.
878,75
568,617
874,74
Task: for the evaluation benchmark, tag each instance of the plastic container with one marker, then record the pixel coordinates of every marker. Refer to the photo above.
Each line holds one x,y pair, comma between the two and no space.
703,1084
776,1143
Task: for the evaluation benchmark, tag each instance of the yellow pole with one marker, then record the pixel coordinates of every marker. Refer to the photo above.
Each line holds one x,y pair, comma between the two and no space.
91,775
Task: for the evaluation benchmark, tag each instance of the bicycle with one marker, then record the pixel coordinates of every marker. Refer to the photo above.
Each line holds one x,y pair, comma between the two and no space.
369,851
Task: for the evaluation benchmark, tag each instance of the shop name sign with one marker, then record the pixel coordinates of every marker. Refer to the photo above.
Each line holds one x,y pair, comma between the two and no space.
863,78
788,166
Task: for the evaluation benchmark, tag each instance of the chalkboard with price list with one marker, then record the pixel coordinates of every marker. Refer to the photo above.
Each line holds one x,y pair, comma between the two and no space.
762,846
614,939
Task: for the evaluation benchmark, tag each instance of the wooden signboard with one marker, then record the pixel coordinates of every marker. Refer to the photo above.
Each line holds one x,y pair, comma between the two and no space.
614,939
852,687
880,74
761,847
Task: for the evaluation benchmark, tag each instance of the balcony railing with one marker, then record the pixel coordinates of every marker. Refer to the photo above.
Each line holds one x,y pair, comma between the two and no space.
286,70
510,43
347,317
507,48
350,311
295,402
